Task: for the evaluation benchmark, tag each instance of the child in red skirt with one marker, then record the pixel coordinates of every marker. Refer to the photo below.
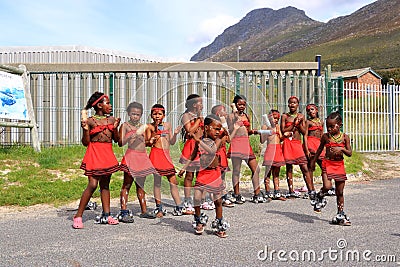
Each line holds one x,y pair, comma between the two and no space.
273,156
193,124
312,139
240,149
220,111
132,133
209,177
99,161
293,126
159,137
336,144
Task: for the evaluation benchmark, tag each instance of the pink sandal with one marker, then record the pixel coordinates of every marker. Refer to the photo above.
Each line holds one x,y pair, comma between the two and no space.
77,223
301,189
112,221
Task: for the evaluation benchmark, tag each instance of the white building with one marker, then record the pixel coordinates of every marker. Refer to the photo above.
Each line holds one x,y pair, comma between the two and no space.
68,54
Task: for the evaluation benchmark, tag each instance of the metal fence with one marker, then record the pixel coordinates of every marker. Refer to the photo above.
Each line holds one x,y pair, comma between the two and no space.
60,91
372,116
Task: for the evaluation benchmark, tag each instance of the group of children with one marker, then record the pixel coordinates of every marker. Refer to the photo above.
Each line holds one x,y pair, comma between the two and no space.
205,157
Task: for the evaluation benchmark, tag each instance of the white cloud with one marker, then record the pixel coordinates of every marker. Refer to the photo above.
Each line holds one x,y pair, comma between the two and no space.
210,28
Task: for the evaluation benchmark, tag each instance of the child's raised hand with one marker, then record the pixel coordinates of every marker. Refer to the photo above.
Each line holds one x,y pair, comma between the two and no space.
237,125
178,129
84,125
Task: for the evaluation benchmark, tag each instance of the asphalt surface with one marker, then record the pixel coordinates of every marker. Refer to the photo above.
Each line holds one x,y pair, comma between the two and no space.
278,233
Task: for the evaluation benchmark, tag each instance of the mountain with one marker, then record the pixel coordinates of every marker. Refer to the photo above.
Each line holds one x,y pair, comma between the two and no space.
369,37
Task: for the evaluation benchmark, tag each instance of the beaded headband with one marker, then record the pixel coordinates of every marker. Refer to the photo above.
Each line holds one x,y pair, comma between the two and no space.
295,97
311,105
156,109
98,100
275,112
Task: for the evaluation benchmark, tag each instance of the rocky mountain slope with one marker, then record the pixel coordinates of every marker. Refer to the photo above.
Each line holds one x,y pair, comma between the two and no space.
368,37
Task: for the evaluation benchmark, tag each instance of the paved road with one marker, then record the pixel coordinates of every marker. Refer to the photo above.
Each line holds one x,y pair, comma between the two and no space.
290,227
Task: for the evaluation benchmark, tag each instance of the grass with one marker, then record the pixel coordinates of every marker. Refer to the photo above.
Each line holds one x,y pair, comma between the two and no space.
53,176
379,51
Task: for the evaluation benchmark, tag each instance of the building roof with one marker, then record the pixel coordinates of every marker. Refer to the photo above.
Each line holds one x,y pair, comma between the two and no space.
356,73
70,48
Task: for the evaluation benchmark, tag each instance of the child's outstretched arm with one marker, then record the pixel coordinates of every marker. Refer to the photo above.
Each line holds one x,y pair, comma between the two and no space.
265,132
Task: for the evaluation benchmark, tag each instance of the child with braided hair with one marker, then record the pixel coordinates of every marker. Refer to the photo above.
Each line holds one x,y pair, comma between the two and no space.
336,144
99,162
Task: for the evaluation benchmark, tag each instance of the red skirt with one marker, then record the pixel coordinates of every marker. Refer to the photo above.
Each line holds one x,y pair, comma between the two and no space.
273,156
162,161
187,150
210,180
293,152
99,160
223,159
137,163
240,148
334,169
313,144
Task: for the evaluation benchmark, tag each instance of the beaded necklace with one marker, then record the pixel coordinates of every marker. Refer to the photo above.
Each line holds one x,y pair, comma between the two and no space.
338,138
99,117
293,115
136,124
316,120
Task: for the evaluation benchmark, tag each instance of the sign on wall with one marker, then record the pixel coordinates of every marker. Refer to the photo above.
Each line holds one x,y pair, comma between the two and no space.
13,103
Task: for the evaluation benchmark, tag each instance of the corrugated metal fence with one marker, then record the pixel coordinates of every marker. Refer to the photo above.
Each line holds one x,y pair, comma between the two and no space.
60,91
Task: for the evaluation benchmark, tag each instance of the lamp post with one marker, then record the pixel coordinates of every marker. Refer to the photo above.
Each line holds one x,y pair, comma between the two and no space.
238,73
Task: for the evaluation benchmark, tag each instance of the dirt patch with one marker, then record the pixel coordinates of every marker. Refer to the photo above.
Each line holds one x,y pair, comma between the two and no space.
380,166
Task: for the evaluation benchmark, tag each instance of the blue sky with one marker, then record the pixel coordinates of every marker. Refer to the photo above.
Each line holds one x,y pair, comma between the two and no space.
169,29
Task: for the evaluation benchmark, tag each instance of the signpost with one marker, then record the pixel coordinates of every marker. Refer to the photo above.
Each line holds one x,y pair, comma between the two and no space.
16,101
